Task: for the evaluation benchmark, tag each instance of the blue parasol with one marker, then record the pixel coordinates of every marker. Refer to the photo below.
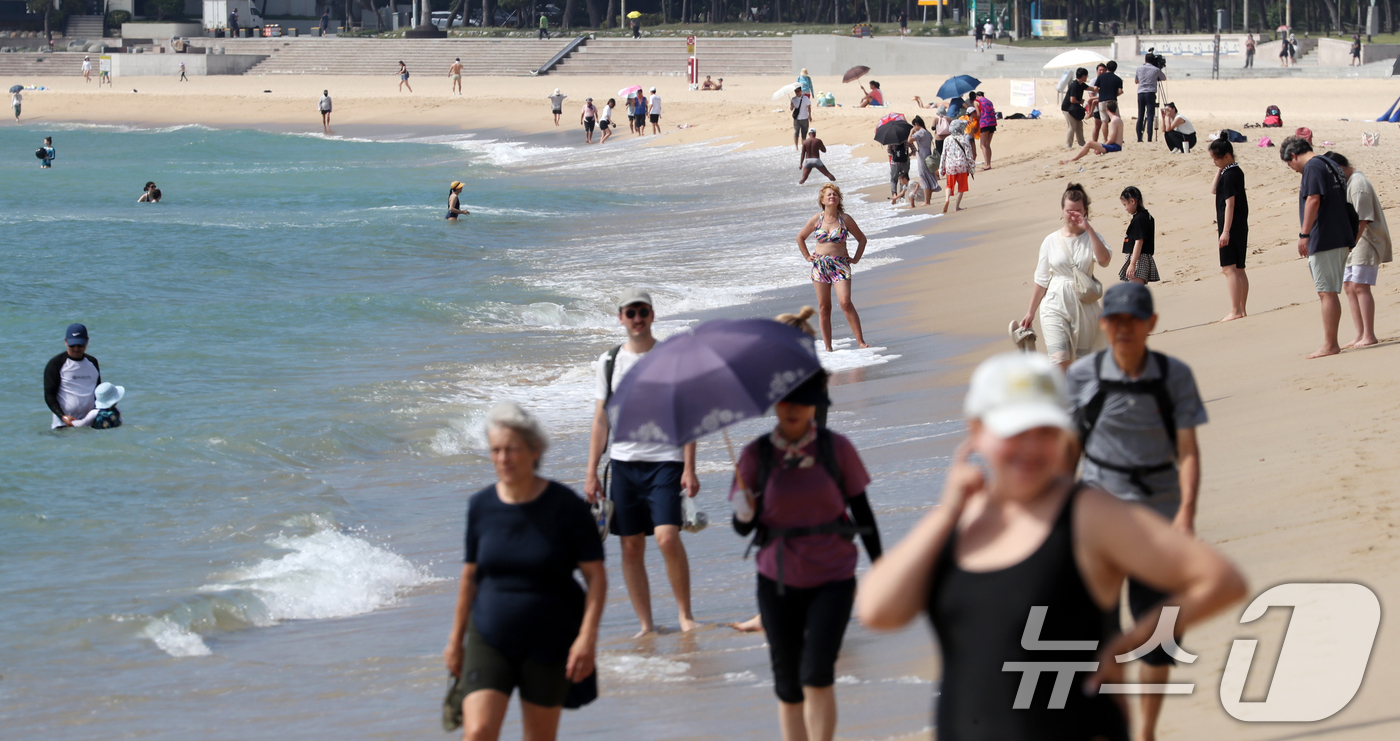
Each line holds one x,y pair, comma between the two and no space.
956,86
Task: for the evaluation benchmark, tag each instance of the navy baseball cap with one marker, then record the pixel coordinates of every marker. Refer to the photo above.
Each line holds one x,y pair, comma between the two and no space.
1128,298
76,335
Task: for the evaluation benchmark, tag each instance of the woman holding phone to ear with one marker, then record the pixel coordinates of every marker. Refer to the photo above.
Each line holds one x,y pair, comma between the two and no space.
1019,542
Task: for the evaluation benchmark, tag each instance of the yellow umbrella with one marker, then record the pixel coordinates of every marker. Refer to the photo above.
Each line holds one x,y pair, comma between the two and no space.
634,14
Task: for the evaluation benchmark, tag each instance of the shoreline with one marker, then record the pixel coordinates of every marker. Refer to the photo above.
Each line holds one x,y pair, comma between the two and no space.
1295,457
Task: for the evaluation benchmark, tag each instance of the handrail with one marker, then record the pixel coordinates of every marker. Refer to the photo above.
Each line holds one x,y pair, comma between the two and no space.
576,43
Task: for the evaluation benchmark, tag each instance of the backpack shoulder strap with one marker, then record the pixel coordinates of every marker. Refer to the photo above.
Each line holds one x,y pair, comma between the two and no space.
608,364
764,450
1165,406
826,456
1089,413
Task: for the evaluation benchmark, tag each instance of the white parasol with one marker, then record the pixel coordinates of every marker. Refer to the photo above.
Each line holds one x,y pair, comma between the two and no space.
1076,58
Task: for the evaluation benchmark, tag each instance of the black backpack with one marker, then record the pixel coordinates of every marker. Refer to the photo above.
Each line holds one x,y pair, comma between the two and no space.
826,457
1087,417
1353,218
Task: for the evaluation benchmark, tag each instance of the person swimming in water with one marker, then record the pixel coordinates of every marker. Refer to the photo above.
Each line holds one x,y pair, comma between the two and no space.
454,203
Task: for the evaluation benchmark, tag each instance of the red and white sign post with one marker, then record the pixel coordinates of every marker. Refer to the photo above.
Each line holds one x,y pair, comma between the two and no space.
692,67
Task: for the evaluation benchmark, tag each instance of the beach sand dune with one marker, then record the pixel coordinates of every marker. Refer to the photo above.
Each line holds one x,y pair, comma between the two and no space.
1299,478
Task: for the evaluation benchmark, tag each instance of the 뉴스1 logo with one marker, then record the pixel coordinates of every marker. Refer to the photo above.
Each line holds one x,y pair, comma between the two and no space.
1320,666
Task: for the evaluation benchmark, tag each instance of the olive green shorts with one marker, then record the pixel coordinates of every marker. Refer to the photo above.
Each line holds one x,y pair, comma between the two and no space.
485,668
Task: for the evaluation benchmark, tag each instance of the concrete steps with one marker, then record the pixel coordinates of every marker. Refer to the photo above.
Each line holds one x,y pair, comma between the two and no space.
88,27
717,57
24,64
426,58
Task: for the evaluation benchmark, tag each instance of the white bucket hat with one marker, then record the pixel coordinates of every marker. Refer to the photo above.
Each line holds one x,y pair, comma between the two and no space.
108,395
1015,392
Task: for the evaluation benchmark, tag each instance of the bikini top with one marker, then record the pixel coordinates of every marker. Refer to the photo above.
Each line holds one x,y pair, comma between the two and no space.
835,235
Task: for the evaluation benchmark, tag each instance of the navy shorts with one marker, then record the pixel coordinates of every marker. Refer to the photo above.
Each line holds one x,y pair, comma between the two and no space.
645,495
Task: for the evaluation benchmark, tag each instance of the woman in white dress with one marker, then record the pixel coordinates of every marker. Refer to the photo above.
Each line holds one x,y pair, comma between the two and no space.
1069,326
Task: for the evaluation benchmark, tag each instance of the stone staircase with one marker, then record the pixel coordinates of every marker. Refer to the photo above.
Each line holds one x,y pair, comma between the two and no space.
424,57
88,27
717,57
50,64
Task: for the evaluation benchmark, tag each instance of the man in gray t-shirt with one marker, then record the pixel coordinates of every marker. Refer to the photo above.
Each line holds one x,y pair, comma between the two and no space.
1129,451
1148,77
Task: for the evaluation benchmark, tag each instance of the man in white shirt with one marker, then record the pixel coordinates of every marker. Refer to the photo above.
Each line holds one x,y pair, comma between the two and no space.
802,120
654,110
647,479
71,378
325,105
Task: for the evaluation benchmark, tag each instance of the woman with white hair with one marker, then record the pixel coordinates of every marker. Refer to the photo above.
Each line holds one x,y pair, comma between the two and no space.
522,620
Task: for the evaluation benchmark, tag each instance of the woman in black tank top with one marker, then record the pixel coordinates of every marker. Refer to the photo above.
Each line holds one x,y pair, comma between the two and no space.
1019,567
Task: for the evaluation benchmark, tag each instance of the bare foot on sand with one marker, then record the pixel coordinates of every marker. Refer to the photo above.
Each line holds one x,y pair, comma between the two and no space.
945,207
689,624
863,345
1323,352
960,208
1232,316
1361,342
752,625
645,633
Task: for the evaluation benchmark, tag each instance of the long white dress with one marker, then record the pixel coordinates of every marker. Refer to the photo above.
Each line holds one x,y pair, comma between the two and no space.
1068,326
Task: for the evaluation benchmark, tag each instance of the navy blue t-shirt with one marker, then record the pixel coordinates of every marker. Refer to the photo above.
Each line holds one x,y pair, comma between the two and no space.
1109,85
528,604
1332,229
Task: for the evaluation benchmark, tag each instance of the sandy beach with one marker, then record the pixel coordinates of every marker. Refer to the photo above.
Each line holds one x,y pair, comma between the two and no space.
1295,455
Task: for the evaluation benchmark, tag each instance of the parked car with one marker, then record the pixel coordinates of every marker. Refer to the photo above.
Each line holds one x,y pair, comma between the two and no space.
439,19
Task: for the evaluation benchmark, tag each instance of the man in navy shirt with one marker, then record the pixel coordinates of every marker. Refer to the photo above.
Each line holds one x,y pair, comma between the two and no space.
1326,236
1108,85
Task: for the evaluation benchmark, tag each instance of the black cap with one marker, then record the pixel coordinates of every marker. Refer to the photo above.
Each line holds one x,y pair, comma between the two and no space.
1128,298
811,392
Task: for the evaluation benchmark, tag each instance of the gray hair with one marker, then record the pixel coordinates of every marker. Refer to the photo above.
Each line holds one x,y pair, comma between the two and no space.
1292,147
958,126
510,416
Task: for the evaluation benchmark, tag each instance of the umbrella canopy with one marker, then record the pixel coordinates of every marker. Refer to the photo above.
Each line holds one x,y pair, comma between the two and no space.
1076,58
703,380
854,73
786,91
628,92
889,118
16,88
894,132
634,14
960,85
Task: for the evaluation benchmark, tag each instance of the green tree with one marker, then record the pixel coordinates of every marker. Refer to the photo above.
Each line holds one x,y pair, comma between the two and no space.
167,8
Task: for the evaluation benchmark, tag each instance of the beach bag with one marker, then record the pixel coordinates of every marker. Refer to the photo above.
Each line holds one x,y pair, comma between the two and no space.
1086,287
1273,117
1075,111
941,128
1370,140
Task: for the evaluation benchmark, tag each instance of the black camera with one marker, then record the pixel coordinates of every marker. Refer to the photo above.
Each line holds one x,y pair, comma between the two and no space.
1155,59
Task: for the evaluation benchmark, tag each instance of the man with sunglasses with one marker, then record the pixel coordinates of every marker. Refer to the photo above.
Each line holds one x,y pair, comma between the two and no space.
71,378
646,479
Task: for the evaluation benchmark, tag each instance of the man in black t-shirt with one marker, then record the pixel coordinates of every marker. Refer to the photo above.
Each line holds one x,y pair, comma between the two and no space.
1108,85
1073,108
1231,224
1326,234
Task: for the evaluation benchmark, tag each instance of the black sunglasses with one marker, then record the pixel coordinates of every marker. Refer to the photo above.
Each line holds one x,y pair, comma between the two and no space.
641,311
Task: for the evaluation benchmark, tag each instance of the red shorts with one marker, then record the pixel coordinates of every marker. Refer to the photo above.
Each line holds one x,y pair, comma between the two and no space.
959,180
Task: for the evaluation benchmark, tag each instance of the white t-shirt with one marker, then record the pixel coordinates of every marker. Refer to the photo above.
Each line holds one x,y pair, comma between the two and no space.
987,29
607,113
655,107
803,105
623,450
16,99
87,65
1184,128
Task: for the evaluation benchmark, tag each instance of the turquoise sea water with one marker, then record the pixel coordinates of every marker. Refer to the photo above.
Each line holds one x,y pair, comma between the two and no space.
269,546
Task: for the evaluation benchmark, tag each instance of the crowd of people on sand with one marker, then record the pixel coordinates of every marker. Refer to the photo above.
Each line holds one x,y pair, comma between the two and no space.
1083,495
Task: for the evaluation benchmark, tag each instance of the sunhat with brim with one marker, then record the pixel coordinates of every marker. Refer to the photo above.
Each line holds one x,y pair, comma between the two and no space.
1014,392
456,185
108,395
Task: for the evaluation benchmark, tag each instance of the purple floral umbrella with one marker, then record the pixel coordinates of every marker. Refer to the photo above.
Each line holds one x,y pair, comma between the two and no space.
708,378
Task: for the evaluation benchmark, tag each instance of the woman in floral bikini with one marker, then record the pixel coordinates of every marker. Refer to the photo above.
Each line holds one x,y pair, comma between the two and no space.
831,263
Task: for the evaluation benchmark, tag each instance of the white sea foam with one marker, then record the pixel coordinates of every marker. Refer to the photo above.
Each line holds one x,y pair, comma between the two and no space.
744,676
845,355
631,668
176,640
327,574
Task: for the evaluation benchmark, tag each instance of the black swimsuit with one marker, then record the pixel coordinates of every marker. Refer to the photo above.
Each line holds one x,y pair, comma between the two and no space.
979,618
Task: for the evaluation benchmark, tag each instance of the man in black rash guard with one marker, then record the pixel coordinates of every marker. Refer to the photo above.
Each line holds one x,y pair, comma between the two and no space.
71,378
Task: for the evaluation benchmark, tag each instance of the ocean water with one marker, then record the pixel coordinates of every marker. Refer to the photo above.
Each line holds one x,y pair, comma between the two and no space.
269,546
